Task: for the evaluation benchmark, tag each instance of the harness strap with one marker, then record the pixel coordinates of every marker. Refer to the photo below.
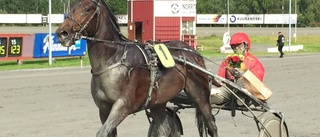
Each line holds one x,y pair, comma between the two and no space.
97,73
143,53
121,62
153,73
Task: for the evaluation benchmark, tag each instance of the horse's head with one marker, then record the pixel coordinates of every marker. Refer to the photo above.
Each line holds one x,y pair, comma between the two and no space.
80,21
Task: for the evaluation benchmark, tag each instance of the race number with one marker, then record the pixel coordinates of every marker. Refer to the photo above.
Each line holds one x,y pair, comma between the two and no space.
15,47
3,47
164,55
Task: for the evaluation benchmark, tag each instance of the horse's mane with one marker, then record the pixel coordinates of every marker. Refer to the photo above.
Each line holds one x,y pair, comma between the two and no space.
112,16
114,21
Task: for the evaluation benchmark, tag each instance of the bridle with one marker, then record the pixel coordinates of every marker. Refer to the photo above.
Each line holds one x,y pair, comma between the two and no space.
78,35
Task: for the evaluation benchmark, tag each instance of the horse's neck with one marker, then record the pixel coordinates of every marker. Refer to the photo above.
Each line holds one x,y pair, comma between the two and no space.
102,55
105,29
107,33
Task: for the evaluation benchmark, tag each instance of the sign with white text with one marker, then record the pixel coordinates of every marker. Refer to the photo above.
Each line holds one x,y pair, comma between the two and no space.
245,18
122,19
280,18
41,47
175,8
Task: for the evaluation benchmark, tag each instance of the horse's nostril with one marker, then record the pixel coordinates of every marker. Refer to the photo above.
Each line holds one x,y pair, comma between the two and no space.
64,33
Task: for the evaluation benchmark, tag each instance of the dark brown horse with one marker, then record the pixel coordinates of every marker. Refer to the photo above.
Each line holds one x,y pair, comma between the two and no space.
121,78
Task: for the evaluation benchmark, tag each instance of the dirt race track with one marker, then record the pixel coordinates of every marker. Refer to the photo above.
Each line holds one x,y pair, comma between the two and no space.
57,103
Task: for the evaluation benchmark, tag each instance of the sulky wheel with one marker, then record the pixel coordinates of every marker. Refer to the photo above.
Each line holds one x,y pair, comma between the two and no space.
177,125
271,125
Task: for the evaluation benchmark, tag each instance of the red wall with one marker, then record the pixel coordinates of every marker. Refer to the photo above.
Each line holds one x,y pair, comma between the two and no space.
167,28
143,12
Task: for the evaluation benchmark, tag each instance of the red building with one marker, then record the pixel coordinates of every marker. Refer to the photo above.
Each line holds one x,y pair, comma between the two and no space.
162,20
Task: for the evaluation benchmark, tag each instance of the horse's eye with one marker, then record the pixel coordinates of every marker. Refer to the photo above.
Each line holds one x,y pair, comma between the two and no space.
86,9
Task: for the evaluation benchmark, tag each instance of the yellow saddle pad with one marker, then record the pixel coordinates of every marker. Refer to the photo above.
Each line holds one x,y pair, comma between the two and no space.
164,55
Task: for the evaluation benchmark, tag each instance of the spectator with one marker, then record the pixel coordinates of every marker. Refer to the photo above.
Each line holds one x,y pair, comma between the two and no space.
280,44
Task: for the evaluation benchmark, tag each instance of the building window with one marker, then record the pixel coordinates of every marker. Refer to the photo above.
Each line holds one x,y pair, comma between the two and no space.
187,27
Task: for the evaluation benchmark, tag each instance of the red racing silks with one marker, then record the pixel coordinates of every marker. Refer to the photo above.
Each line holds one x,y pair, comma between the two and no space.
250,62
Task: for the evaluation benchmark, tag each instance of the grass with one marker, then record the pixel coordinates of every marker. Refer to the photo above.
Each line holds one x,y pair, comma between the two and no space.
44,63
211,45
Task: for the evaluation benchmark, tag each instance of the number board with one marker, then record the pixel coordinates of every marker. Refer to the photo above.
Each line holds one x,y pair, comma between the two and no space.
15,47
3,47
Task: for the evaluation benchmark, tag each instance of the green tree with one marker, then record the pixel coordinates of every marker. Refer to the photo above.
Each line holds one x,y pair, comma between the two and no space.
117,6
211,7
314,11
309,13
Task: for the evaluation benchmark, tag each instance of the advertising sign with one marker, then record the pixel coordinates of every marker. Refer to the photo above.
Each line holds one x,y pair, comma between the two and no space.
211,19
41,47
34,18
246,18
13,18
280,19
175,8
122,19
56,18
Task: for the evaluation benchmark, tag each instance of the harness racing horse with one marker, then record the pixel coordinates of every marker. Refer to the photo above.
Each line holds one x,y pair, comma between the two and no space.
121,81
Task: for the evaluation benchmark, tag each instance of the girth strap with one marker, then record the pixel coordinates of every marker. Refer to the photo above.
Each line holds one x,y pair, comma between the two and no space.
152,66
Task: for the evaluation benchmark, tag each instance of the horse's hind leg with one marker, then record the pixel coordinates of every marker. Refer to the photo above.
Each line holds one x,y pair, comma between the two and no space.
117,114
199,93
163,123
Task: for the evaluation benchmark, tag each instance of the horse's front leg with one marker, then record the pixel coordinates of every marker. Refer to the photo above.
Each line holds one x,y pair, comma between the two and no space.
104,113
120,110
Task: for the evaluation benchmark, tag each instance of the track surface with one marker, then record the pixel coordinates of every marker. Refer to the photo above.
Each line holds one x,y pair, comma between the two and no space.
57,102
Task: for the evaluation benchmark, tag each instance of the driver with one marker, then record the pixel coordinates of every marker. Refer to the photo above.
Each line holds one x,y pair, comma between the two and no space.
240,44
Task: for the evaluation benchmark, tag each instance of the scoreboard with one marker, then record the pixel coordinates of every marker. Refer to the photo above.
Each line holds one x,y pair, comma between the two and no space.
3,47
10,47
15,47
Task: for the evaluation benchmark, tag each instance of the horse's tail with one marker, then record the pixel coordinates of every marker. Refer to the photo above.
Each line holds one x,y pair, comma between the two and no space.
201,124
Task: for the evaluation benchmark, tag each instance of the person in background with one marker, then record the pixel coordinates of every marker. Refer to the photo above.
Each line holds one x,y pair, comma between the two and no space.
280,44
240,44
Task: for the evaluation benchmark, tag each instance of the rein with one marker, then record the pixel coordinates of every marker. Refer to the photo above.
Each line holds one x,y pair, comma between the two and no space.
189,50
105,41
99,40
